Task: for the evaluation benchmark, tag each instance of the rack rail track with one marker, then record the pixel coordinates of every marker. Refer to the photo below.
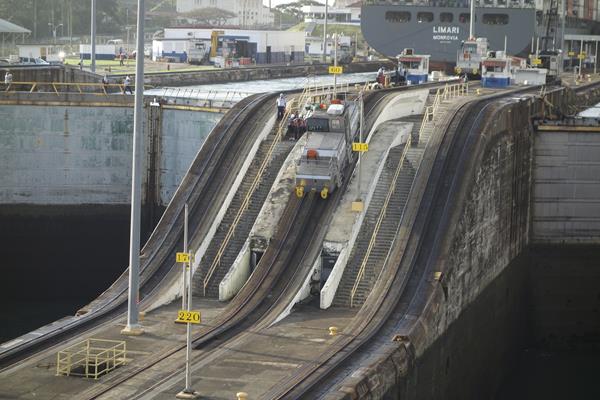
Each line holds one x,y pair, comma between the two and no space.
167,237
384,304
269,288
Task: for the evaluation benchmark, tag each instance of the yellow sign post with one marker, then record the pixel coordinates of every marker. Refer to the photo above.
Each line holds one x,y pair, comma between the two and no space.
536,61
188,317
361,147
182,257
571,53
336,70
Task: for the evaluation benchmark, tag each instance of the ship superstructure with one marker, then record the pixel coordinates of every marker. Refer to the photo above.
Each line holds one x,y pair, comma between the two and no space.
439,27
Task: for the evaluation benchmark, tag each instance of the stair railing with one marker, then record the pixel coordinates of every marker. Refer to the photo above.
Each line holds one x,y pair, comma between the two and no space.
446,93
392,188
246,202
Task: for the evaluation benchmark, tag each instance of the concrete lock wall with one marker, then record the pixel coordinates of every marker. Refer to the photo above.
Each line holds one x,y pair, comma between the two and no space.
463,337
566,207
63,154
487,230
183,133
490,231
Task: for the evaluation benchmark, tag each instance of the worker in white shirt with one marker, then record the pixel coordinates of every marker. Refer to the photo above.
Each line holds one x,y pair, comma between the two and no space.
8,78
280,106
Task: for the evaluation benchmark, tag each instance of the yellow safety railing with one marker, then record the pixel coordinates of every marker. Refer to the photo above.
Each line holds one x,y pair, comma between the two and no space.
363,265
445,93
322,91
67,87
246,202
91,358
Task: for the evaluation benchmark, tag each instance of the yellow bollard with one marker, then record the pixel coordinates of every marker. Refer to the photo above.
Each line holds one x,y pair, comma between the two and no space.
333,331
300,191
241,395
324,193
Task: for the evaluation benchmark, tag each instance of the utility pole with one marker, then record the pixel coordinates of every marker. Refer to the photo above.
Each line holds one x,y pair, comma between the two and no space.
188,392
133,327
335,45
93,39
35,20
54,29
562,29
360,140
71,23
325,32
472,21
184,283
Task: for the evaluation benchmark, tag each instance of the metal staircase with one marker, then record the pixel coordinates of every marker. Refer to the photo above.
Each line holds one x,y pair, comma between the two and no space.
387,205
349,292
243,227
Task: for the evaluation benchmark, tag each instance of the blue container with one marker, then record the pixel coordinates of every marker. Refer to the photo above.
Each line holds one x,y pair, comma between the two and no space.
495,81
415,79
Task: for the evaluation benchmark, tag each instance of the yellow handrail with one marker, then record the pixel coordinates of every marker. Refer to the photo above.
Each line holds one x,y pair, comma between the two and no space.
217,260
101,87
447,92
382,213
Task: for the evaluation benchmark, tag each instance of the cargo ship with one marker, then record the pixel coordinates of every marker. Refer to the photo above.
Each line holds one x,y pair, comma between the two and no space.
438,27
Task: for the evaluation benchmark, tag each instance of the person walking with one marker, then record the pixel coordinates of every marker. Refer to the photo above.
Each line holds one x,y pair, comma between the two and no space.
121,58
105,81
8,78
281,103
127,84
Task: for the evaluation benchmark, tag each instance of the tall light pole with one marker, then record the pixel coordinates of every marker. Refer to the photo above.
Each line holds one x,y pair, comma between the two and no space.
472,21
93,40
133,327
562,27
325,32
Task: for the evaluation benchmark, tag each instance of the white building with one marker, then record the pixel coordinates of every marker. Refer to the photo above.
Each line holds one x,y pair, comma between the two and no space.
314,45
264,47
347,15
250,13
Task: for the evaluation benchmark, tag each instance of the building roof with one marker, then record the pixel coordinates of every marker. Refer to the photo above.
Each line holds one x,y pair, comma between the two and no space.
9,27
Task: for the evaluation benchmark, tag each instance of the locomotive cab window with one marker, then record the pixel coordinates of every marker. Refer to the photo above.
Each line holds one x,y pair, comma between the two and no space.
336,125
317,125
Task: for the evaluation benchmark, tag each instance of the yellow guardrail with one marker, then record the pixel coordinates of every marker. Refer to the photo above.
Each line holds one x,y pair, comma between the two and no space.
267,159
91,358
445,93
67,87
363,265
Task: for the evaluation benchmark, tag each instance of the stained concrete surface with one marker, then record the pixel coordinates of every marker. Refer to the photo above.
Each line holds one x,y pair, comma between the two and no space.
35,379
63,154
262,359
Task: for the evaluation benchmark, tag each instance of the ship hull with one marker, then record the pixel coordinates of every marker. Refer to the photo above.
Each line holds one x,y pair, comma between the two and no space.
442,40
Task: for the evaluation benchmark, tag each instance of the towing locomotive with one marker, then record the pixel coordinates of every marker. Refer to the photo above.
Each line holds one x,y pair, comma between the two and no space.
330,132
